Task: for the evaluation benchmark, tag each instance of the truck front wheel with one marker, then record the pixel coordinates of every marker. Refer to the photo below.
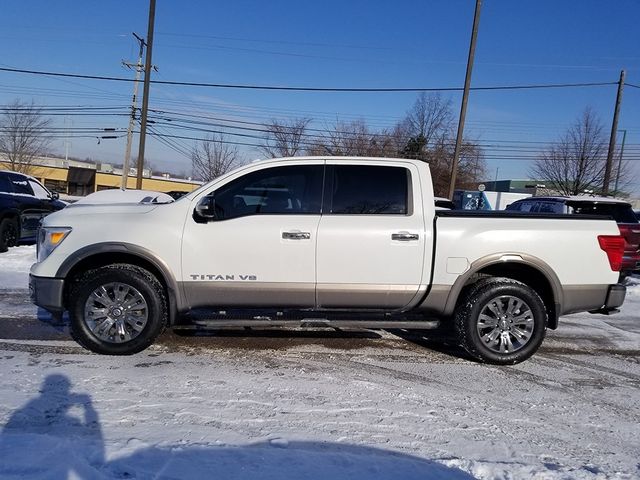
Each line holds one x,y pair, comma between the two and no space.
117,309
501,321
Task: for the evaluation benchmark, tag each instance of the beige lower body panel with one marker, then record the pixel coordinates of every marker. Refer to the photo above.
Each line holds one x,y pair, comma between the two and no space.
581,298
250,294
297,295
576,298
356,296
436,301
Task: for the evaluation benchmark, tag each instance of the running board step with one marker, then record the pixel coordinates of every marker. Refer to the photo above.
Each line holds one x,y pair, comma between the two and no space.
204,324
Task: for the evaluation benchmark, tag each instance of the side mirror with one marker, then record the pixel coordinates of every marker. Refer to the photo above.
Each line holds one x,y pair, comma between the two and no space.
55,196
205,210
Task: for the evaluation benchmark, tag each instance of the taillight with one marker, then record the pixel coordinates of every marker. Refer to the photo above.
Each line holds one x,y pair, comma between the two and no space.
613,246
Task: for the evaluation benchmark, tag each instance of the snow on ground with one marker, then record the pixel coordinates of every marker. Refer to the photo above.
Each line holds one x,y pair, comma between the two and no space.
15,265
315,404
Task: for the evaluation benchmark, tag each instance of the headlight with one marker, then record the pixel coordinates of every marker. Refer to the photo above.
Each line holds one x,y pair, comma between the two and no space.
49,238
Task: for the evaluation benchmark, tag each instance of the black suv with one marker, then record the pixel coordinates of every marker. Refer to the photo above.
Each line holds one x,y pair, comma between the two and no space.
23,203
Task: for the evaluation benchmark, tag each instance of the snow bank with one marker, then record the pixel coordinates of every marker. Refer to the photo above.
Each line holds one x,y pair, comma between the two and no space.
14,267
633,288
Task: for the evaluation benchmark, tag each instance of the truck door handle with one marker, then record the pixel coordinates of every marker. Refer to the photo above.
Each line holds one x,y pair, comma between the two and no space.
296,235
404,236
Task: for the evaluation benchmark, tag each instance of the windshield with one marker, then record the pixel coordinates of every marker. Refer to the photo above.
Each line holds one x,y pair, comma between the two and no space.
621,212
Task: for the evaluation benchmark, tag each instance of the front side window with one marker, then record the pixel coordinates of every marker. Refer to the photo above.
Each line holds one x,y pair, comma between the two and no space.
369,190
39,191
279,190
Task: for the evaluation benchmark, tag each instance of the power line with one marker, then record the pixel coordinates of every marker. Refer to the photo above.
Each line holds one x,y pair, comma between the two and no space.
169,122
311,89
632,85
166,142
487,157
172,144
258,112
58,108
283,42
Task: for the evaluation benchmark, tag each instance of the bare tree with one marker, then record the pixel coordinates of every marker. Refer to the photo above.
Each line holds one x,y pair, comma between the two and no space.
575,163
213,157
23,135
426,128
427,133
285,139
348,138
429,118
472,165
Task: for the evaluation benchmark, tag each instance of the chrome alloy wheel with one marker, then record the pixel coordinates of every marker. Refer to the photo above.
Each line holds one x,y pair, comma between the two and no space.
505,324
116,312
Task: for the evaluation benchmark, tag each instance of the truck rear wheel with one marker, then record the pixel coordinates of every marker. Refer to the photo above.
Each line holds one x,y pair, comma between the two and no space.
117,309
501,321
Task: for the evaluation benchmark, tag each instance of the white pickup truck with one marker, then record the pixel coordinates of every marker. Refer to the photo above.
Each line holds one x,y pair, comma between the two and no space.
323,241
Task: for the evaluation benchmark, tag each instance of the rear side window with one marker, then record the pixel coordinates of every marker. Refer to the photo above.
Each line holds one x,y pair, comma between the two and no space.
369,190
548,207
521,206
21,185
621,212
5,184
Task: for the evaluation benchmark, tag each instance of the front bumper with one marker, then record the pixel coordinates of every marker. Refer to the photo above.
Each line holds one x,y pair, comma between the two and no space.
615,297
47,292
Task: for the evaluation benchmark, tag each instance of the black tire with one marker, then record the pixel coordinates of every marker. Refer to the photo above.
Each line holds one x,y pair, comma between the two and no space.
138,280
493,297
9,233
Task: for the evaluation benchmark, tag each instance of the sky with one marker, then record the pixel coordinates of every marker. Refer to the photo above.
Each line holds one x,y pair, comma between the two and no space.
403,43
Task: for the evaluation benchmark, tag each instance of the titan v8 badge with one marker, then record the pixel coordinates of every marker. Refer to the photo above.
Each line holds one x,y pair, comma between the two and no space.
215,277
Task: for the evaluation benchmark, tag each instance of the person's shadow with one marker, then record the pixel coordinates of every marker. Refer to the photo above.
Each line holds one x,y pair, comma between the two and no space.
58,436
49,424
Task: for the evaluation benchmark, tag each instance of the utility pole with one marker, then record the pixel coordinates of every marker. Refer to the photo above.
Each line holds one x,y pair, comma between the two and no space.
612,138
624,138
465,97
134,102
67,121
145,93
